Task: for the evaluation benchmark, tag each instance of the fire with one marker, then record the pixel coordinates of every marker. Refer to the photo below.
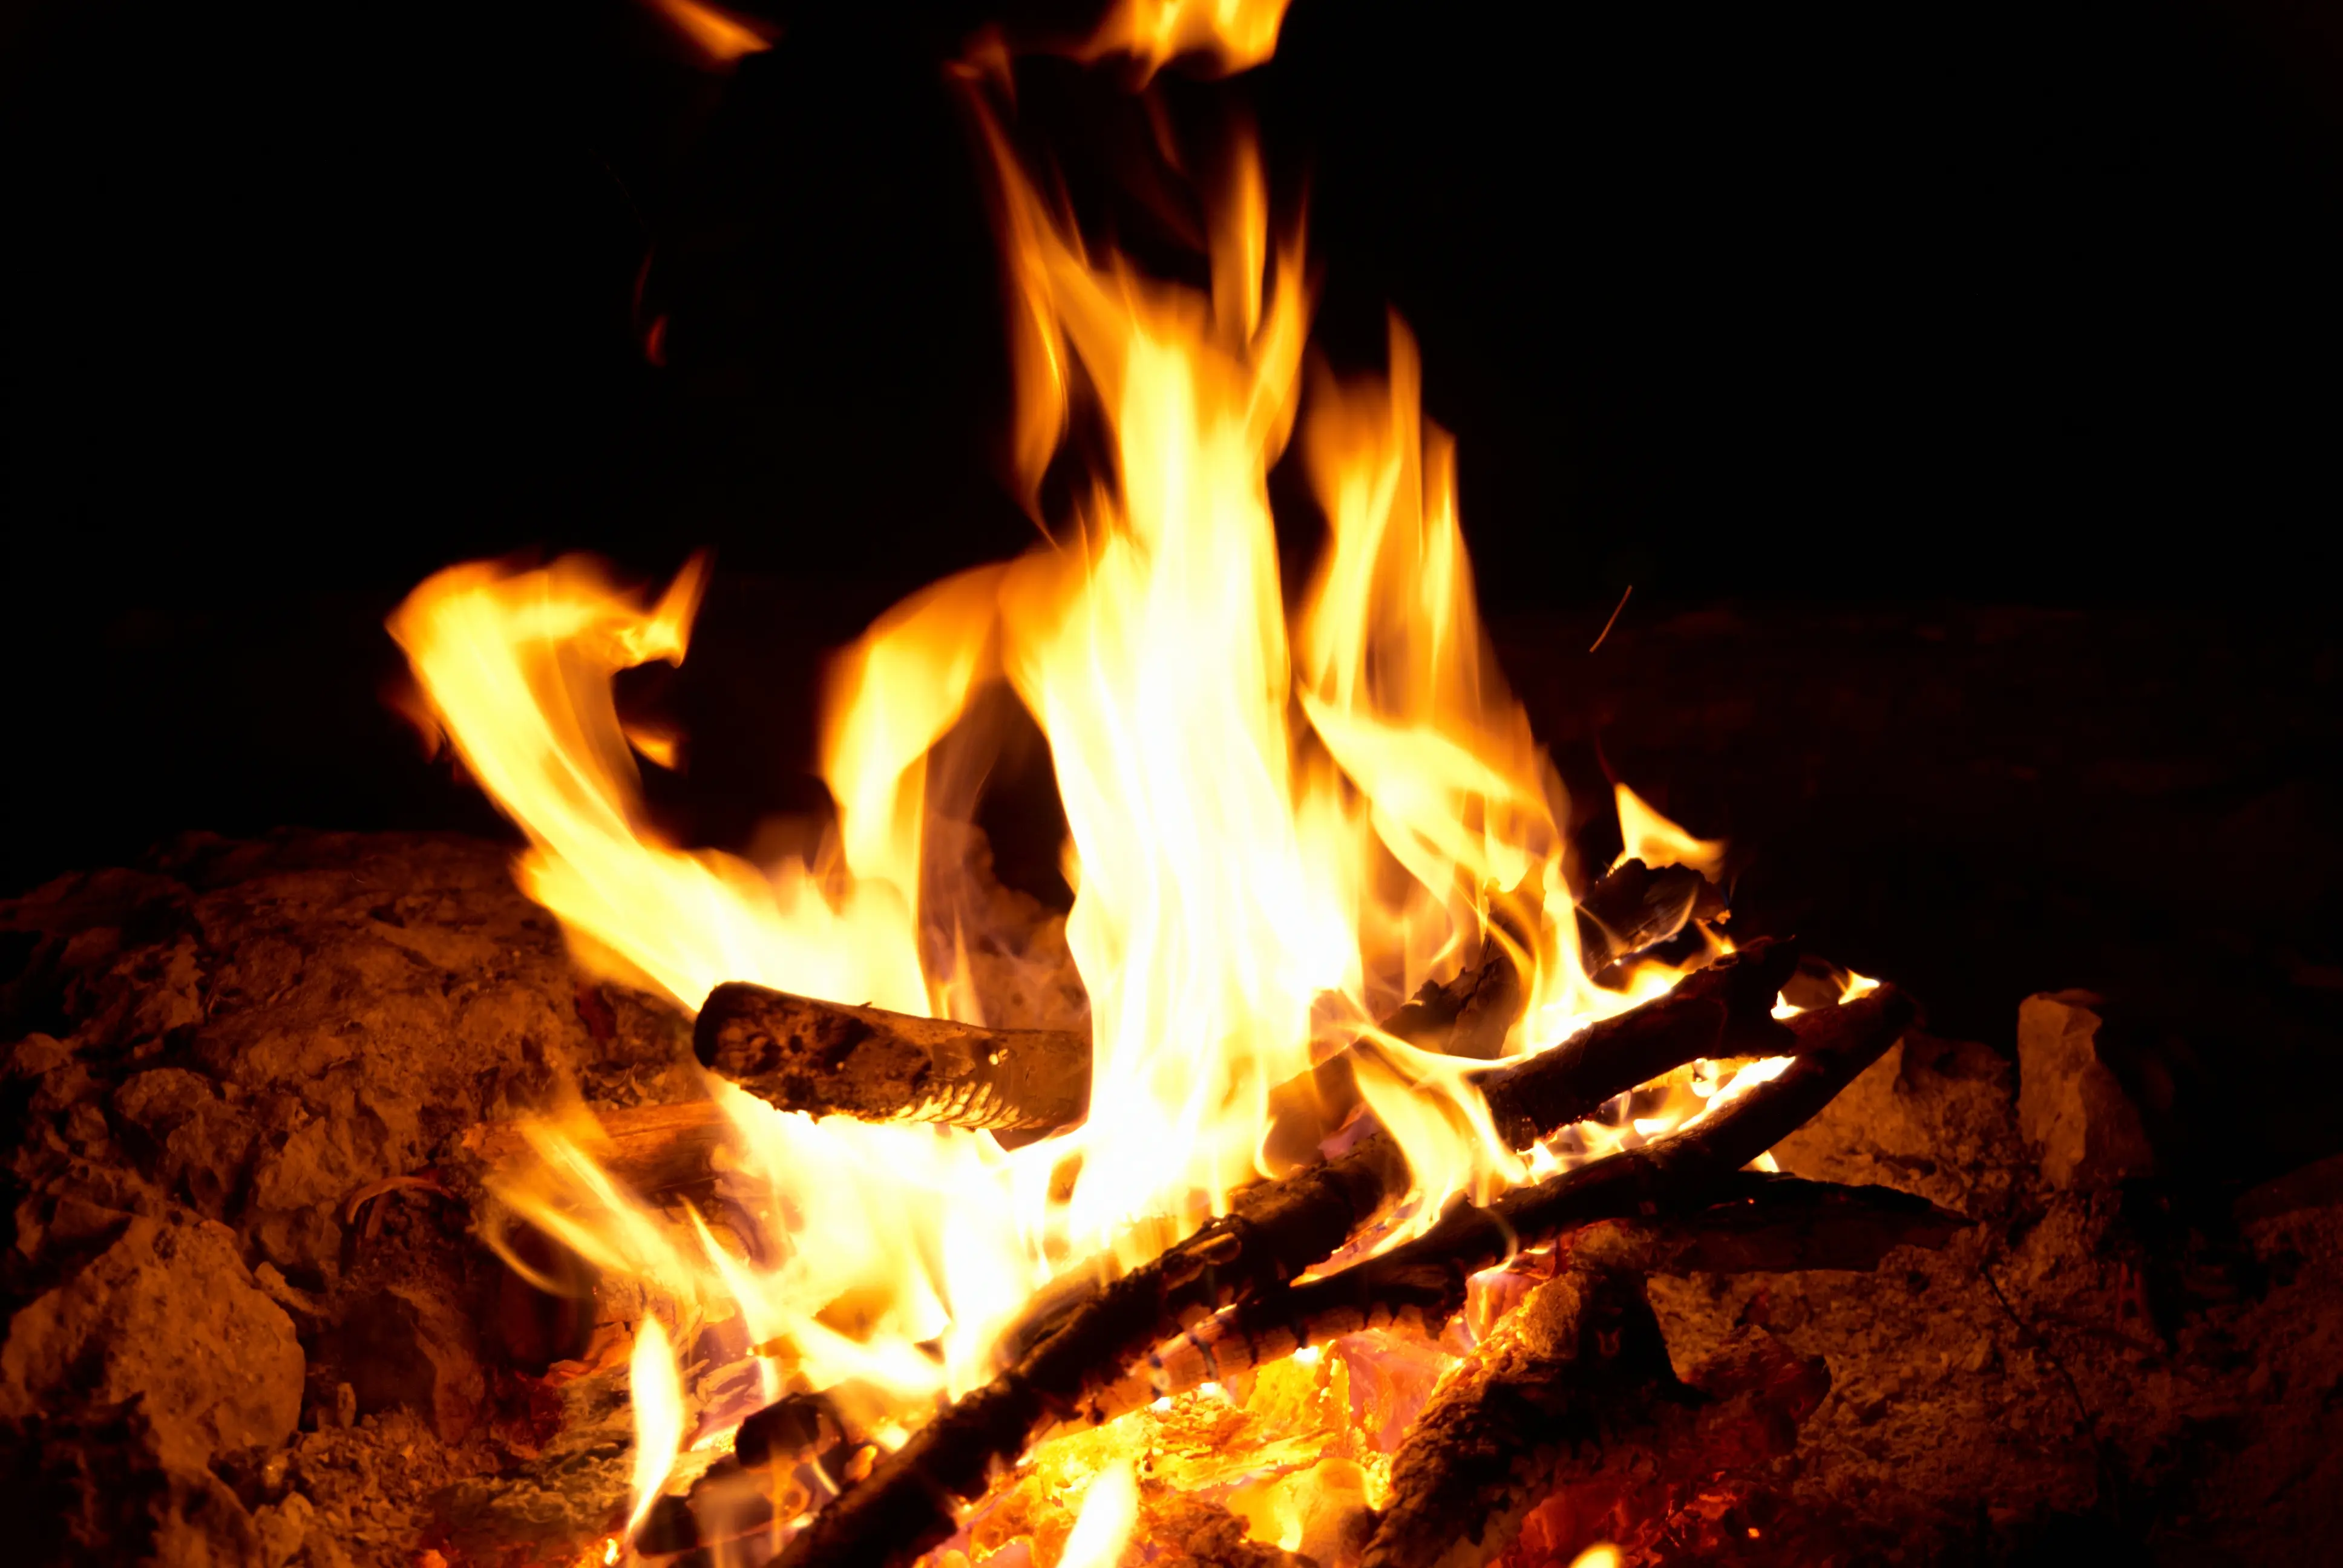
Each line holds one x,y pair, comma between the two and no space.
1231,35
716,36
1280,823
1656,842
1110,1512
658,1415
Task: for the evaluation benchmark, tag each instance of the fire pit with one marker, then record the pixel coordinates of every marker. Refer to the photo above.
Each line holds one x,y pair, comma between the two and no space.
1354,1173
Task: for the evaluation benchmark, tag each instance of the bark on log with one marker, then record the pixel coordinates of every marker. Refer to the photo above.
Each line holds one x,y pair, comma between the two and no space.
827,1058
1574,1391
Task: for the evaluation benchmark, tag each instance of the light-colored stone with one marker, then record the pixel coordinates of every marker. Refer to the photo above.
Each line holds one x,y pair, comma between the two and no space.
2070,1105
167,1313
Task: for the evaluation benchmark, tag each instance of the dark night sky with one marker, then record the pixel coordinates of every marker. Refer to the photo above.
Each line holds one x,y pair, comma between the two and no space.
1999,302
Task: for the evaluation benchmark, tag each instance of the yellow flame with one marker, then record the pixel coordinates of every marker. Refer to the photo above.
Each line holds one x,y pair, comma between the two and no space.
657,1400
1228,34
1656,842
1279,823
1102,1529
1602,1554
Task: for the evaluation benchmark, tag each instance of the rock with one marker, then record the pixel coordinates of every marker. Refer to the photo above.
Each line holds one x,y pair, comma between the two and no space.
193,1141
166,1314
410,1347
2070,1105
1932,1117
89,1484
282,1528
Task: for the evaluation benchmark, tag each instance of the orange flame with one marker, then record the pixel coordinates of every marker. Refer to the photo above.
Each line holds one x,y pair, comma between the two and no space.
717,37
1231,36
1102,1529
657,1400
1279,824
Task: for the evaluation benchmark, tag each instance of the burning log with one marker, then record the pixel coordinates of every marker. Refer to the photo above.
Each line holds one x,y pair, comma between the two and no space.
1631,907
1284,1226
1724,1011
1425,1278
905,1507
1573,1391
827,1058
1758,1224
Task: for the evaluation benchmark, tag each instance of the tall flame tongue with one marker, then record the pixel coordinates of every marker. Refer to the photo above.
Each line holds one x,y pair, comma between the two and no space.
1276,829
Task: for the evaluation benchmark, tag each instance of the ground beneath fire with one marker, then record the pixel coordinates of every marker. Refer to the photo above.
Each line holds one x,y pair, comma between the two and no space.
221,1058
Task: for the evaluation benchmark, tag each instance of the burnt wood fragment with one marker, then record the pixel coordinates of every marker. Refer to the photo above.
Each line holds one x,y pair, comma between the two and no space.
827,1059
1424,1280
1275,1231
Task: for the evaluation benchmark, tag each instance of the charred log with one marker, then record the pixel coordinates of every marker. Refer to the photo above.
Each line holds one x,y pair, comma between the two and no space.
830,1059
827,1058
1631,907
1425,1279
1758,1225
1293,1222
1724,1011
906,1506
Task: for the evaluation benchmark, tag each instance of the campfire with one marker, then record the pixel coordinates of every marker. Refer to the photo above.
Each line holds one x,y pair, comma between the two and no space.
1352,1169
1306,1172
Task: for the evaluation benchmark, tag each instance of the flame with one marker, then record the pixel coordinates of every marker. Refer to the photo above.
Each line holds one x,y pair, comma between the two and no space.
1656,842
717,37
1230,36
1102,1529
1280,821
658,1399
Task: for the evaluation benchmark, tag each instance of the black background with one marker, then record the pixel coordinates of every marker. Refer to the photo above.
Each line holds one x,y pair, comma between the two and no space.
1786,316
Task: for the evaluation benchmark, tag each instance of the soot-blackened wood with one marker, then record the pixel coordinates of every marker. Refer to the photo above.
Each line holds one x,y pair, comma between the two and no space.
827,1058
1424,1280
1278,1229
1633,907
1725,1009
830,1059
1574,1391
1757,1223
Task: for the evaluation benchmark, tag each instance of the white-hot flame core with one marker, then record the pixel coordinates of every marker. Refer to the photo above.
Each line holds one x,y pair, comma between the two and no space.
1278,827
1110,1512
658,1396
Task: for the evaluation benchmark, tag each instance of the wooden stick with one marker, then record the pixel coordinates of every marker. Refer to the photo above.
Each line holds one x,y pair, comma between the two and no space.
1760,1225
1631,907
1424,1280
1293,1222
1724,1011
906,1506
830,1059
